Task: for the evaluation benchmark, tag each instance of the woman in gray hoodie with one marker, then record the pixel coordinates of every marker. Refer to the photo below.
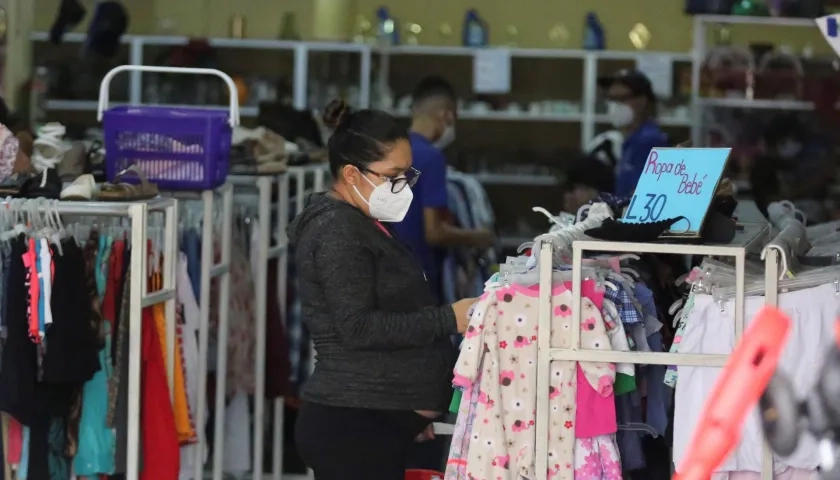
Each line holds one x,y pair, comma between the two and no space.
384,356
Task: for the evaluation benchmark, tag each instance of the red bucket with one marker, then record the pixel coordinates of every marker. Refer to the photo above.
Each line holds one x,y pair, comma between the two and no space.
423,475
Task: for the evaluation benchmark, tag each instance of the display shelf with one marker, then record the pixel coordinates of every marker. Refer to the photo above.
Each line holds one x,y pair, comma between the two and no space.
508,116
700,50
559,53
300,50
744,20
586,117
91,106
665,121
756,104
522,179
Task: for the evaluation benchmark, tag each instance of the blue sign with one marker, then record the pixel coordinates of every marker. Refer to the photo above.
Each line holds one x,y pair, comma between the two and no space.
677,182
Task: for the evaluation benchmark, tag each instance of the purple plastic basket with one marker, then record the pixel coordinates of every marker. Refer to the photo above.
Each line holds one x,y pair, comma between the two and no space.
176,148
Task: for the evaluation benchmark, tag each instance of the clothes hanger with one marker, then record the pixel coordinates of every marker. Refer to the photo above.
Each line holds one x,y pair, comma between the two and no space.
57,227
638,427
562,238
809,279
532,277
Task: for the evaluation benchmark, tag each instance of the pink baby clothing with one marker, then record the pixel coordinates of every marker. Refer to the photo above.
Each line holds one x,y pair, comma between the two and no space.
500,343
595,406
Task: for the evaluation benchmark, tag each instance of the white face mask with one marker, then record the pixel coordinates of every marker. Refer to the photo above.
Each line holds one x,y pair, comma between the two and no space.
385,205
620,115
789,149
446,138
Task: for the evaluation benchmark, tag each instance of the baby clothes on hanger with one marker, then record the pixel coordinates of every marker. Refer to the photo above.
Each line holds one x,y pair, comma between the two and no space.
625,373
709,330
500,350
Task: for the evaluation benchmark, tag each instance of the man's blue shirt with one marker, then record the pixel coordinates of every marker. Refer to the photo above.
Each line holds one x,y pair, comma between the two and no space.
634,154
429,192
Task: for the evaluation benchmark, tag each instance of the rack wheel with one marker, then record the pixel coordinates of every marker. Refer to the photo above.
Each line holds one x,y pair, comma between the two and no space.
780,415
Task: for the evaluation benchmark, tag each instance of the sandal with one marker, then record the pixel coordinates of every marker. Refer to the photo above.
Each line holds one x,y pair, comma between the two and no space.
117,191
12,186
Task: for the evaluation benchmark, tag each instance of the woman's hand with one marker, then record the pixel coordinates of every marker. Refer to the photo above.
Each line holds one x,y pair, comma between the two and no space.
461,309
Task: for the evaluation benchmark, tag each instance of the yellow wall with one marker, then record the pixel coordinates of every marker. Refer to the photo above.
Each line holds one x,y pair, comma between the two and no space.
534,19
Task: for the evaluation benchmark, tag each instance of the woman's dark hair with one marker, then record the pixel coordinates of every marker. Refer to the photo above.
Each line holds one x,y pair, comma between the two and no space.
359,138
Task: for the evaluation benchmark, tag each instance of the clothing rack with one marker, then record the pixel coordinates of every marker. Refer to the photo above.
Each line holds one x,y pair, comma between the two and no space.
209,271
300,175
140,297
547,354
264,185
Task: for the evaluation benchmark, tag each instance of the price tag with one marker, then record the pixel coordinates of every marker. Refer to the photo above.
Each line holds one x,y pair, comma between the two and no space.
677,182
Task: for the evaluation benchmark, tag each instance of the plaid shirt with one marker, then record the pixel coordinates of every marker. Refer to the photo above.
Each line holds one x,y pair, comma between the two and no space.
624,304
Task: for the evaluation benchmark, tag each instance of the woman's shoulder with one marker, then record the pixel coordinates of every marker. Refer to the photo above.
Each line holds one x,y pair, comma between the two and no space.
322,212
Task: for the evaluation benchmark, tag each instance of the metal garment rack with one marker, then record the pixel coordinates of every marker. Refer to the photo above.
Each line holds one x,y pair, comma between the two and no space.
300,174
547,354
318,171
138,215
263,186
209,271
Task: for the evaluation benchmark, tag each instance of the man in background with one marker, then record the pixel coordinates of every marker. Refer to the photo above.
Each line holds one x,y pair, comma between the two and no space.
631,107
424,229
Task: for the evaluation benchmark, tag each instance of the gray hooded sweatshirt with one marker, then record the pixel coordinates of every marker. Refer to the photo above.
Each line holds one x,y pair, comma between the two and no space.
381,342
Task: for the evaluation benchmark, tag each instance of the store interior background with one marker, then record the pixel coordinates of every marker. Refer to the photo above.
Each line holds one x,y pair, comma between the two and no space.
533,147
670,27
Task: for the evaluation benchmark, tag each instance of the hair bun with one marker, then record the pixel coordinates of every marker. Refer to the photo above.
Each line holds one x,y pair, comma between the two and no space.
336,113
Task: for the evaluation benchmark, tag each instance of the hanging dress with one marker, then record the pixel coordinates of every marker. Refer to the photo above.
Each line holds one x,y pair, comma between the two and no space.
95,453
159,436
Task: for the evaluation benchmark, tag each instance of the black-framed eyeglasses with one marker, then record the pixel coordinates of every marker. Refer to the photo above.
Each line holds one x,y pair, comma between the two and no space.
398,183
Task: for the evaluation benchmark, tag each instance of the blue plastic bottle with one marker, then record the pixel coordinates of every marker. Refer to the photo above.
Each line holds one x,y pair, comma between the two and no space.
475,30
386,27
593,33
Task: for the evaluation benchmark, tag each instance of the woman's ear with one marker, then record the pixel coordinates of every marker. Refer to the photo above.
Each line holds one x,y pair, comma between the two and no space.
350,174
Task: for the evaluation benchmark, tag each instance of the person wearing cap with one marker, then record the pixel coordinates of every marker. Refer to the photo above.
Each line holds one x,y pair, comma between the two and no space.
631,108
586,178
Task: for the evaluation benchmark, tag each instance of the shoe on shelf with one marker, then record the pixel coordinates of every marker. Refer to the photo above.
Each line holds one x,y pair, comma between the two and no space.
73,163
82,188
118,191
13,186
49,149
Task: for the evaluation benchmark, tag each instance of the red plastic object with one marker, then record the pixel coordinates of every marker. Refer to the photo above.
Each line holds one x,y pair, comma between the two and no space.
423,475
742,382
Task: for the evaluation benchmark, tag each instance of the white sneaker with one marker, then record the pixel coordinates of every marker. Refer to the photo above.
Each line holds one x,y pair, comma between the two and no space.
82,188
49,149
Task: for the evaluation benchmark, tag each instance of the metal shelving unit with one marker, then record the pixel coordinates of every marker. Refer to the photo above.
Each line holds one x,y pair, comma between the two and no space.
700,50
586,117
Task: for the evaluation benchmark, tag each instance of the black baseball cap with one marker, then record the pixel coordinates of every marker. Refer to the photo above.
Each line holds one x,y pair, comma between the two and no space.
636,81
